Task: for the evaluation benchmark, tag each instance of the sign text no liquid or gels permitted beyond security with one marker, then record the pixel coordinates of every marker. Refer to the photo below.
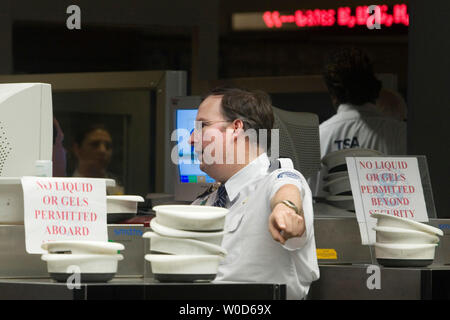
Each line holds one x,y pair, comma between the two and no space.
385,185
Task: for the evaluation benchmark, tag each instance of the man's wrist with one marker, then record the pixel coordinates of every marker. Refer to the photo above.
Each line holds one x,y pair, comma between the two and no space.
288,204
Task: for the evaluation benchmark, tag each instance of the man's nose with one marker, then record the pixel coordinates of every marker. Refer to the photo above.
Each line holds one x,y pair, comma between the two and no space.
103,147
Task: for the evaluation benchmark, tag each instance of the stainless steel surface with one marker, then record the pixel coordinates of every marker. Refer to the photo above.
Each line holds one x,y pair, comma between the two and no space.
338,230
338,282
15,262
339,235
442,255
342,278
325,210
342,235
130,236
346,277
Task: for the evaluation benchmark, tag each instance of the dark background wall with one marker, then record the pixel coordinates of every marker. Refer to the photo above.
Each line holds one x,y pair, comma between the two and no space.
110,30
190,35
429,94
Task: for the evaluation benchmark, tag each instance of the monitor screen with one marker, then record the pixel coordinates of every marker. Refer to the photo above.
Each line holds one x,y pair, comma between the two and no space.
188,164
26,128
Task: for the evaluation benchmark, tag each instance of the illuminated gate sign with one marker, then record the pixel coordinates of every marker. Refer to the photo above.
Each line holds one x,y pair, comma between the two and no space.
340,17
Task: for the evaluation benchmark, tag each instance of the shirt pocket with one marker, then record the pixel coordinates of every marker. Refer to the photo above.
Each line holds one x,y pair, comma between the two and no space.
235,221
232,241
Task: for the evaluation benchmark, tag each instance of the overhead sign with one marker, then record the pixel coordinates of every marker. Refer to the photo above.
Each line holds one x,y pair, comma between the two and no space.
63,209
389,185
323,18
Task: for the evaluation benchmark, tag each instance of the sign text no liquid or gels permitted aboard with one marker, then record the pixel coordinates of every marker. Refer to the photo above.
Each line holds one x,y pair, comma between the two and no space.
389,185
63,209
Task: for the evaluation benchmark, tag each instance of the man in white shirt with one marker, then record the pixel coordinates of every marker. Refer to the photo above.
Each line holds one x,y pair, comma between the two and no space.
358,122
270,233
392,104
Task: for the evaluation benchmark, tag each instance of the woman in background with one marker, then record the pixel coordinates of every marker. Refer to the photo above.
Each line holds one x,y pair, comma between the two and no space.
93,150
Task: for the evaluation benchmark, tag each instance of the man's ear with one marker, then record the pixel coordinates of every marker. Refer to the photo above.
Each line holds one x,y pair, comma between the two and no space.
238,127
334,101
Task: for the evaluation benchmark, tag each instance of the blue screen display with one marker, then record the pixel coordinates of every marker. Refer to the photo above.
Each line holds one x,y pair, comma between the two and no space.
188,164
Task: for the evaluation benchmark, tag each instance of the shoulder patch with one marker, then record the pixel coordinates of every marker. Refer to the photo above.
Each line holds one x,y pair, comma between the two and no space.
288,174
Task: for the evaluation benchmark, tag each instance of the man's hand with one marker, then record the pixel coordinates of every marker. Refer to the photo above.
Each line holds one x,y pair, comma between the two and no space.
285,223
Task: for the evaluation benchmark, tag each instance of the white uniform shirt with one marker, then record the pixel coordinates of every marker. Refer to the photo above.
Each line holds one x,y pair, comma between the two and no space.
362,127
253,256
359,127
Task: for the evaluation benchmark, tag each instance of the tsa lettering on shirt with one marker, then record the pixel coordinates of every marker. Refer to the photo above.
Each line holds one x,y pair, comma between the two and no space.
347,143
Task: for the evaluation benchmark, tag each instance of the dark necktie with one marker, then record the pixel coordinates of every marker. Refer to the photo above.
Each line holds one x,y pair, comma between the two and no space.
222,196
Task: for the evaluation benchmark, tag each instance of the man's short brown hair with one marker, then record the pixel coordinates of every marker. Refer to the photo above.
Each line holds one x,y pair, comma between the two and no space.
253,107
350,78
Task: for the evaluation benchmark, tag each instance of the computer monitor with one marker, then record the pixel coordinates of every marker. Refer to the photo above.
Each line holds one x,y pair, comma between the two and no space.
26,127
188,166
189,180
299,140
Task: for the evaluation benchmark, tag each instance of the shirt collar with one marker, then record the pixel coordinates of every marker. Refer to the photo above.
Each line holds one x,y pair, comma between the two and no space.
365,108
240,179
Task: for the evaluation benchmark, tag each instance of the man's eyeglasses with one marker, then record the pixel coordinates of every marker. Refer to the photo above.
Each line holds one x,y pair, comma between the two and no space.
199,125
